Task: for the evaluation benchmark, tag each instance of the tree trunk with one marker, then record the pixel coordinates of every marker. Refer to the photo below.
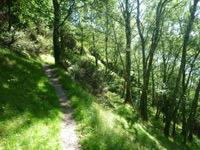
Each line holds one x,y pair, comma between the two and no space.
174,127
182,68
190,121
9,15
147,69
94,50
82,37
143,57
128,53
183,113
153,90
122,62
184,94
56,43
165,100
106,39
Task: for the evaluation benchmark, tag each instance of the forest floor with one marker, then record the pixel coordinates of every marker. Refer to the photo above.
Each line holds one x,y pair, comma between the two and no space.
69,136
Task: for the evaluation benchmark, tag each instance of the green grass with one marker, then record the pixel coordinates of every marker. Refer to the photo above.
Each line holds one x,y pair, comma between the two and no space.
107,124
30,114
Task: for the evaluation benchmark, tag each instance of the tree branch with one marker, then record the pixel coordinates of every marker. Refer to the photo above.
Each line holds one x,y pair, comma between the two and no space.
68,14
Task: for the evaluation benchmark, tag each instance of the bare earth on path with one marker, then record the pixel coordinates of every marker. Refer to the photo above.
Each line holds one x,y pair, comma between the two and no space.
69,136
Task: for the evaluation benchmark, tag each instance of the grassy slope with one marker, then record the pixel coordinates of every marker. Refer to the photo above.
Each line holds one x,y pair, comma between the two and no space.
113,125
29,110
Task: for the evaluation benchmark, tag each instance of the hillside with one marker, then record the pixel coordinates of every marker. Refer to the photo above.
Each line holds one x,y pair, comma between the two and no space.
119,74
105,123
30,114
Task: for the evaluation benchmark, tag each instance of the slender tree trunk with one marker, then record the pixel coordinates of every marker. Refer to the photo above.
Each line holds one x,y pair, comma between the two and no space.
118,47
128,53
138,83
182,68
106,39
185,85
165,100
62,44
82,37
147,68
190,137
143,55
191,119
183,110
153,89
9,15
56,42
94,50
122,62
174,127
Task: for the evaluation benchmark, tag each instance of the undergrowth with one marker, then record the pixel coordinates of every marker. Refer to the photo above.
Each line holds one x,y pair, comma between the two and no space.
107,124
30,113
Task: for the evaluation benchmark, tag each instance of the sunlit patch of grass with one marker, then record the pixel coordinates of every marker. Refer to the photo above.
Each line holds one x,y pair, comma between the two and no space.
30,114
153,139
109,124
99,127
46,58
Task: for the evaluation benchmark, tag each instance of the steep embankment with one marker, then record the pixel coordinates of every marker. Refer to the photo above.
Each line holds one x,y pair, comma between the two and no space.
105,123
30,114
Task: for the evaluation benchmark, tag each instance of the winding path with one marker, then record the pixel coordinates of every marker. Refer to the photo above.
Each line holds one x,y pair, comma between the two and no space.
69,136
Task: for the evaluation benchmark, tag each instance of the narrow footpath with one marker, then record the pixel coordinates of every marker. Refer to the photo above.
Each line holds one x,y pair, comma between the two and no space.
69,136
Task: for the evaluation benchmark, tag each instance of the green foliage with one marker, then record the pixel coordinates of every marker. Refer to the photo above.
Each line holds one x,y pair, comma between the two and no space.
106,123
68,40
30,113
115,83
83,69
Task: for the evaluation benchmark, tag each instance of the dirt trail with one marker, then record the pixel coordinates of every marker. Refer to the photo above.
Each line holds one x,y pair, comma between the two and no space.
69,136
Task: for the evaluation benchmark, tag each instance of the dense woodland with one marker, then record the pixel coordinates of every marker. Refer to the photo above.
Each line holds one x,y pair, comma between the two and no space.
145,51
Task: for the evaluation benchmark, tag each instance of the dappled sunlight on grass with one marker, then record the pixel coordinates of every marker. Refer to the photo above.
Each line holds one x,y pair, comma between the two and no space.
107,123
47,58
139,127
30,113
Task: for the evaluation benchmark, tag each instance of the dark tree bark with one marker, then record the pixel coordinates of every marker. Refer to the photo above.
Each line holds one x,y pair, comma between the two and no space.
183,97
153,89
181,70
9,15
191,119
57,25
106,38
94,50
137,60
56,43
128,52
147,62
166,103
174,127
82,39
